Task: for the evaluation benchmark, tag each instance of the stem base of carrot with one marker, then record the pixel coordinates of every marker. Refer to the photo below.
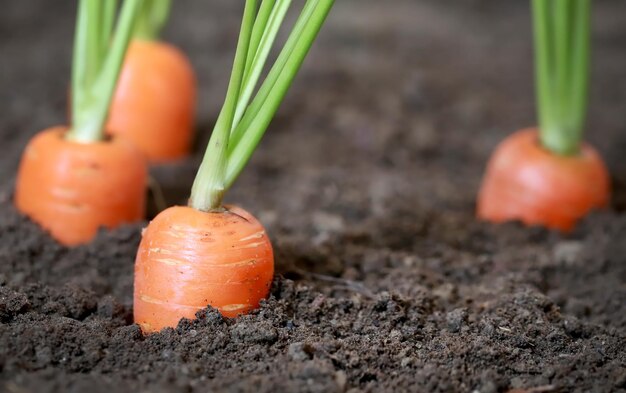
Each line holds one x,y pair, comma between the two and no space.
526,182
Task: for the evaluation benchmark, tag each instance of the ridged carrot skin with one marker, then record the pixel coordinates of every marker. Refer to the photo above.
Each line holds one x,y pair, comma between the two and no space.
526,182
71,189
154,103
189,259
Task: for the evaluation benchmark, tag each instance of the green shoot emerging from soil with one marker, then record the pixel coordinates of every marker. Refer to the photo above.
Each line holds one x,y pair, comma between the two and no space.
562,71
152,18
99,51
243,120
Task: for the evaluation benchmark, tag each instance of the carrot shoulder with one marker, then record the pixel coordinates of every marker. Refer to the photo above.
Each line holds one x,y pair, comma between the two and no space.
71,189
524,181
189,259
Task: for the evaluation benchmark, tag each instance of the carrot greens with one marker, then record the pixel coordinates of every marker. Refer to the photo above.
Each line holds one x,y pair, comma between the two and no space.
152,18
561,30
243,120
99,50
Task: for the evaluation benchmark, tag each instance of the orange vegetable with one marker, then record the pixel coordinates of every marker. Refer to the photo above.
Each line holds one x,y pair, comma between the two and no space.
189,259
154,103
526,182
72,188
208,254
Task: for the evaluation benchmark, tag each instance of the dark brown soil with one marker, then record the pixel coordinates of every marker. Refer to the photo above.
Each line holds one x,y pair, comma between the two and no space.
366,183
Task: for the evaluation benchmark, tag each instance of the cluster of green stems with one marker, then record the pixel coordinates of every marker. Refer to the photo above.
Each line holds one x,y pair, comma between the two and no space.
100,46
243,120
561,31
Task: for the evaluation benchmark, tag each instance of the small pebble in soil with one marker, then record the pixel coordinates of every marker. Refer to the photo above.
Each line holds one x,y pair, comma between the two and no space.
300,351
12,303
248,332
455,319
567,251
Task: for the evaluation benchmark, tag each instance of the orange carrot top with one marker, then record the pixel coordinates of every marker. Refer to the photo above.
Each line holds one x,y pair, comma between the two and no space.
207,253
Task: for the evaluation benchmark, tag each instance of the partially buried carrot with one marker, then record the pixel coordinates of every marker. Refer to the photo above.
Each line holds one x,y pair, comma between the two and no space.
527,182
207,253
72,188
225,259
548,176
154,103
73,180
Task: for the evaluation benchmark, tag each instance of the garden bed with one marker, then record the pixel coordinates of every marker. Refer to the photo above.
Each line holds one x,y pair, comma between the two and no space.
366,183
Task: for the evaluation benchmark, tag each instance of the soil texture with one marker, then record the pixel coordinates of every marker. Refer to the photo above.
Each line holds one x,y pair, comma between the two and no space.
366,183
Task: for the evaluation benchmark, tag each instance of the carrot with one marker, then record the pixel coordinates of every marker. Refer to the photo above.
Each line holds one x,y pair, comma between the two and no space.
207,253
72,189
525,181
154,103
548,176
73,180
226,261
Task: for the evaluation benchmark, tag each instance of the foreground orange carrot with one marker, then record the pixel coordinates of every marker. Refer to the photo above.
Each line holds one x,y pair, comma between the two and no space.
154,103
549,176
225,261
524,181
72,188
208,254
73,180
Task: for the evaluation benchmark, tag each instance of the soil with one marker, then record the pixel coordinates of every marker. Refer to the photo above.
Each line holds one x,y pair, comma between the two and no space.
366,183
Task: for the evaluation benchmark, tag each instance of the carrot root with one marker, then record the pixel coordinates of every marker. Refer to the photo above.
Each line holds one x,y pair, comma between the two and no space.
189,259
525,182
71,189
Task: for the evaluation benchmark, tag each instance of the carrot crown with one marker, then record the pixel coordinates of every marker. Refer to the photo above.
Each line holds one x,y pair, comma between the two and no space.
152,18
243,120
561,31
99,51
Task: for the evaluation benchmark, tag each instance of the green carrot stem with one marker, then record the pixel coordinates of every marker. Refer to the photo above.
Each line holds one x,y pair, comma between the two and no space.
208,187
283,75
260,23
580,64
266,88
240,126
561,31
258,57
108,21
94,77
152,18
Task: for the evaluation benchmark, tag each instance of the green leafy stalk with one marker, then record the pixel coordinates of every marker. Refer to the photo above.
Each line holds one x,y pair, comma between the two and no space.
108,21
257,55
97,64
208,187
561,31
249,122
152,18
266,88
280,79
